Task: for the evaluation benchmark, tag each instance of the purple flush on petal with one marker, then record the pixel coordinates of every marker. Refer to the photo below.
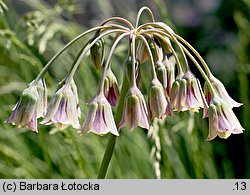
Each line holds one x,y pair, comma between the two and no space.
112,96
222,120
134,111
99,119
61,113
25,111
63,108
111,89
33,123
99,125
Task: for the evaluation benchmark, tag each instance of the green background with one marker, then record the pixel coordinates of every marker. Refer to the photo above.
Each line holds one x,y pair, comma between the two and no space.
32,31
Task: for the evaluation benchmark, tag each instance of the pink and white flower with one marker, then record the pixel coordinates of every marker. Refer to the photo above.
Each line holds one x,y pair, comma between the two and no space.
99,119
186,94
63,109
222,92
32,105
134,111
222,120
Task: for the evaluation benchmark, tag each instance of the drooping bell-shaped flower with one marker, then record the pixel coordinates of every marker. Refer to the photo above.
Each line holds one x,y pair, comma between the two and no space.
63,108
99,119
222,92
195,98
186,94
134,111
222,120
111,89
97,53
26,110
178,95
158,103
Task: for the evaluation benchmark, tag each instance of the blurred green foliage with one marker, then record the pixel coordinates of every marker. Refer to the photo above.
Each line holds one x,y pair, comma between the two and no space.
32,31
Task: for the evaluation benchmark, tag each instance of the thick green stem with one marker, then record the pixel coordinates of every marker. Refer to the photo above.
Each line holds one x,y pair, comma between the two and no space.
112,139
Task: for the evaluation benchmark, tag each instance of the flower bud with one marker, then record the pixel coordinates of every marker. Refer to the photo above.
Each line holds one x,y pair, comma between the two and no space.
134,110
111,89
159,106
161,73
97,53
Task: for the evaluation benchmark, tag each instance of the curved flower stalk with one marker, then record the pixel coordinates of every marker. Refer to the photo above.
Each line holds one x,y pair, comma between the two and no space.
31,105
99,119
222,120
135,110
63,109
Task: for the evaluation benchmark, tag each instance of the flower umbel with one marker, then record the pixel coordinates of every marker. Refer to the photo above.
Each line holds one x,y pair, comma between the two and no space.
63,108
134,111
99,119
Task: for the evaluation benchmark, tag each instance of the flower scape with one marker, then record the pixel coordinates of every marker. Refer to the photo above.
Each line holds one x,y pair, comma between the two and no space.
173,88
